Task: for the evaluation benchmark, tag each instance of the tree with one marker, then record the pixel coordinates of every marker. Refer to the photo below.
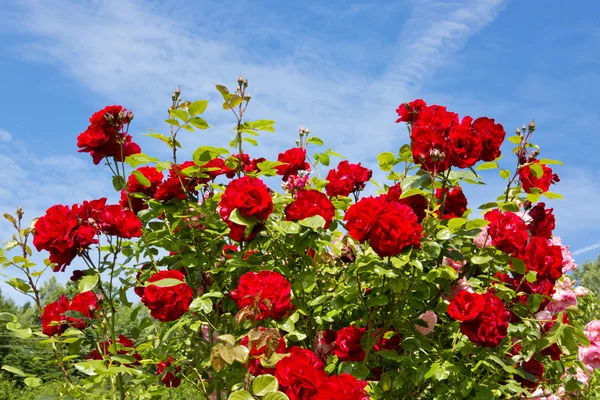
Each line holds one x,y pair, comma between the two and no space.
588,275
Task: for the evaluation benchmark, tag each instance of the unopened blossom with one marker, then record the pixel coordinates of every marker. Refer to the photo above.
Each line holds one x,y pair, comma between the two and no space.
430,319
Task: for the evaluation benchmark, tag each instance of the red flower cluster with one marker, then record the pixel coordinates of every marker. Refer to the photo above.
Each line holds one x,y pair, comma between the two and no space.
348,178
301,377
530,181
507,230
167,303
105,137
169,378
255,366
455,203
309,203
417,202
294,160
542,221
440,141
66,231
264,294
389,226
177,185
134,186
484,319
125,345
251,197
348,345
249,165
54,322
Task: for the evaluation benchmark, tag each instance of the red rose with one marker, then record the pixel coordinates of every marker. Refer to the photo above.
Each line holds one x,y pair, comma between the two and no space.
60,233
543,257
417,202
251,197
343,386
171,188
464,145
86,303
169,378
139,290
53,320
491,136
324,343
361,216
348,178
264,294
529,180
116,221
348,345
125,346
249,166
507,230
437,118
309,203
409,112
395,229
300,374
167,303
490,327
134,186
293,161
391,343
535,368
255,366
455,203
430,149
466,306
542,221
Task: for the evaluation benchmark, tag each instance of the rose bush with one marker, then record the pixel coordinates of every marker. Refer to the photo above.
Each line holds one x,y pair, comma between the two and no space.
306,293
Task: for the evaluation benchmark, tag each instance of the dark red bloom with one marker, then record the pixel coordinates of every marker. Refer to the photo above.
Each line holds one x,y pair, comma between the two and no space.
177,185
466,306
125,347
455,202
86,303
348,345
251,197
309,203
507,230
134,186
535,368
347,178
167,303
390,343
343,386
361,216
264,294
300,374
394,229
542,221
529,179
294,160
491,136
437,118
409,112
229,250
464,145
169,378
430,149
60,233
417,202
543,257
490,326
53,320
116,221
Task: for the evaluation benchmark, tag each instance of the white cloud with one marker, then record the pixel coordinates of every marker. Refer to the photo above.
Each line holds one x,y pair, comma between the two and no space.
5,135
586,249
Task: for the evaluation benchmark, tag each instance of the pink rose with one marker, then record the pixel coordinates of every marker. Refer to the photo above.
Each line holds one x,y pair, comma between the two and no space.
580,291
561,299
484,239
592,331
568,263
590,356
430,319
457,265
461,284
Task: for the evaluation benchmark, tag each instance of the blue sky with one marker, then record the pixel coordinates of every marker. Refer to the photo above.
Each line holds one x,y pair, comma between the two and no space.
338,67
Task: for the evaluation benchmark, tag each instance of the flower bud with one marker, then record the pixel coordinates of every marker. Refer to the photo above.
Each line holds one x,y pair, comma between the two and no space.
527,205
532,126
523,128
437,155
518,132
245,83
129,116
108,117
534,154
297,142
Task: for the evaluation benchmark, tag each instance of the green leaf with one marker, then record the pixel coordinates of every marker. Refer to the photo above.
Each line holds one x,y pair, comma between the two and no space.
518,265
14,370
118,183
204,154
410,192
262,125
534,301
315,222
477,223
547,161
516,139
88,282
163,138
167,282
224,91
536,170
276,396
480,259
504,173
264,384
197,107
240,395
198,122
239,219
533,197
142,179
204,305
456,223
551,195
374,301
7,317
290,227
531,276
509,207
181,114
251,141
136,160
487,165
386,161
315,140
15,328
444,234
172,121
33,382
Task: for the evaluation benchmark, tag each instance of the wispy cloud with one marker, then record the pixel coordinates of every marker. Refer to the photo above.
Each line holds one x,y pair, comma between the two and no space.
5,135
586,249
